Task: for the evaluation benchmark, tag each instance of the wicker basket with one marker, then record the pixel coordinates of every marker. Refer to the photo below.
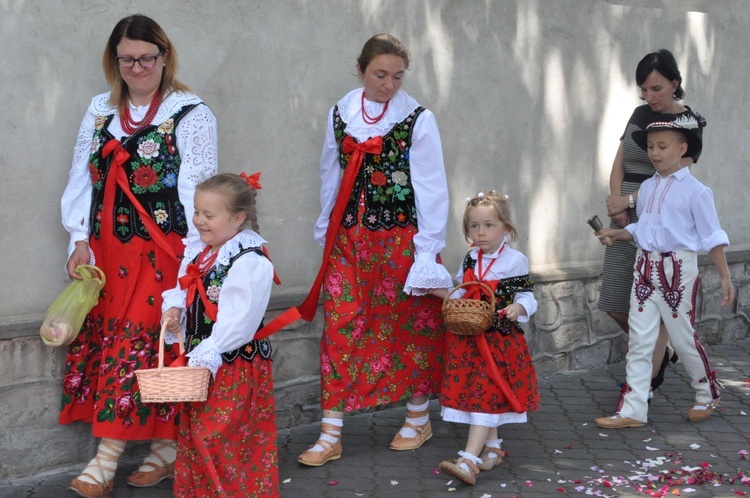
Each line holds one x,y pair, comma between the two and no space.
469,316
173,384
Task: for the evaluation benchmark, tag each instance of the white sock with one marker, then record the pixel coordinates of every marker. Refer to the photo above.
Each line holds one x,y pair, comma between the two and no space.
408,431
493,444
167,448
338,422
104,464
468,456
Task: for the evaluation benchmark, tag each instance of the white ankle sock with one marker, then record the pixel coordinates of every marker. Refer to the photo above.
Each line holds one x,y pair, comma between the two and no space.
164,447
409,432
468,456
338,422
493,444
104,464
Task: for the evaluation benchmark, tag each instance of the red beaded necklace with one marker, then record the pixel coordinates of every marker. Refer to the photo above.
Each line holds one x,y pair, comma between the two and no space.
129,126
369,119
205,262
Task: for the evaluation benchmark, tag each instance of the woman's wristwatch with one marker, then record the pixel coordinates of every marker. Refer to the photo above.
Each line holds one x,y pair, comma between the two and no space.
631,201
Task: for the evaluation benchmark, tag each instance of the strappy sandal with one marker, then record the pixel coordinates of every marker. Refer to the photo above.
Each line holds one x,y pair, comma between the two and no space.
702,414
489,462
102,488
424,432
454,469
330,451
141,479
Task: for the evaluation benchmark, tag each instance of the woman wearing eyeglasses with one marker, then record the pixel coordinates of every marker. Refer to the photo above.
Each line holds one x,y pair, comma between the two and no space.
141,150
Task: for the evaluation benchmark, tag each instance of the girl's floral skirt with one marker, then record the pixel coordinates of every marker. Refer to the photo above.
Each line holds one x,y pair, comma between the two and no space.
119,336
227,445
379,345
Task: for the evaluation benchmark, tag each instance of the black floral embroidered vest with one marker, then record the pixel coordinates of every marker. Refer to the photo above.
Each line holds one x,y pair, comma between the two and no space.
505,294
152,171
385,178
200,326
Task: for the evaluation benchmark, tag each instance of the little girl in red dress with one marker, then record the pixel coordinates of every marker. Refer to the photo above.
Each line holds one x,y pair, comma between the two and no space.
227,444
489,379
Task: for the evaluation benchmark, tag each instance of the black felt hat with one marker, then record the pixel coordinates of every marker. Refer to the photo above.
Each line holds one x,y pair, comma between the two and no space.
687,124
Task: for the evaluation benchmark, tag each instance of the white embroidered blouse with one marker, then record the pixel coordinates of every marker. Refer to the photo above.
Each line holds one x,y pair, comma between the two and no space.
427,176
243,298
197,143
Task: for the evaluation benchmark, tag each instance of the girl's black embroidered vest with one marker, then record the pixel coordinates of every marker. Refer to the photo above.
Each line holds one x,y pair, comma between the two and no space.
384,179
200,326
505,294
152,171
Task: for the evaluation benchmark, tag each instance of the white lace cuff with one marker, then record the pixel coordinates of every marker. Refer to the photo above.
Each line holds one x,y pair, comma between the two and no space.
426,273
206,354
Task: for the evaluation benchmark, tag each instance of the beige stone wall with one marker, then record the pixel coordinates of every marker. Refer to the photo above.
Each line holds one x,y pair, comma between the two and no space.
531,97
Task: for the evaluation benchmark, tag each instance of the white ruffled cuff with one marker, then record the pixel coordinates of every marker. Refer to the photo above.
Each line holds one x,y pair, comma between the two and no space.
206,354
426,273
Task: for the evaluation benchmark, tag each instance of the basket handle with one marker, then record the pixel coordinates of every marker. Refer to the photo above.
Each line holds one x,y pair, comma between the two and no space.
162,333
486,288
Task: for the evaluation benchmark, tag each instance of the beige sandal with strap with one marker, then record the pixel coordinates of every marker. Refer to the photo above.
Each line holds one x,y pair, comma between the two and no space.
331,451
424,432
102,488
141,479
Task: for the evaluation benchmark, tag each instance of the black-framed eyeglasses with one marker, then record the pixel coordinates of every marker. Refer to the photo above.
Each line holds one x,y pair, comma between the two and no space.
146,62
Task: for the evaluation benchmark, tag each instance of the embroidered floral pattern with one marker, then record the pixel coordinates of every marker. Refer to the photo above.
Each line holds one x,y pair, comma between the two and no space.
152,170
202,325
385,179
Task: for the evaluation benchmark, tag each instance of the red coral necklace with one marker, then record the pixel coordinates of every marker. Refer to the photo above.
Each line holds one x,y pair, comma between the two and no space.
369,119
130,126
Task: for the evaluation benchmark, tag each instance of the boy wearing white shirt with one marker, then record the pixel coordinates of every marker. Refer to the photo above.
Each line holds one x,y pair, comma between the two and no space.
676,219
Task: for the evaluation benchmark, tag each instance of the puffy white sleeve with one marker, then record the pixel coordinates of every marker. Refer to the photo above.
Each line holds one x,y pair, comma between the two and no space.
330,180
431,197
243,300
197,141
520,266
76,200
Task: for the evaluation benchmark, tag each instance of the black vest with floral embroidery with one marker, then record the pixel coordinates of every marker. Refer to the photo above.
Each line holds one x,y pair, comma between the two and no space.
505,294
152,171
385,178
200,326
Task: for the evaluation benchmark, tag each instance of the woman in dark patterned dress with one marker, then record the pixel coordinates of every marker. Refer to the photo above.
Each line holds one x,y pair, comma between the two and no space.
382,225
489,379
660,84
141,149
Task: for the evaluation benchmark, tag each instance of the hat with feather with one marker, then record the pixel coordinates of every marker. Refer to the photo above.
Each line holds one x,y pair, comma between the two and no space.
687,124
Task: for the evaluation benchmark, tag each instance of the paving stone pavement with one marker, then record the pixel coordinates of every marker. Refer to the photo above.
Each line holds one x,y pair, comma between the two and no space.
559,452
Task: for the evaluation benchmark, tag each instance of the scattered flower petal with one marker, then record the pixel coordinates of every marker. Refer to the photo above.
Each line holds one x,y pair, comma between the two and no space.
649,448
333,483
602,435
695,446
436,472
393,483
287,480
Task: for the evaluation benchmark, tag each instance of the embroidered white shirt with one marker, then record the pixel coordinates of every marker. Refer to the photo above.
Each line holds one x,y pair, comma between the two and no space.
676,212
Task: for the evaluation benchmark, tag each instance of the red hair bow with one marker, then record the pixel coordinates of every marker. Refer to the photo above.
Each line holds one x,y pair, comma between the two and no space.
252,180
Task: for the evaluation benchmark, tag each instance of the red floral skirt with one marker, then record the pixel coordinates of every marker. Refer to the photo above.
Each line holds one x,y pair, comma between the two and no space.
379,345
119,336
227,445
468,387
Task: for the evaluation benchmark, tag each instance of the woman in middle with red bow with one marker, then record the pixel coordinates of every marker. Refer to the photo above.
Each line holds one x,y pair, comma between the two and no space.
384,200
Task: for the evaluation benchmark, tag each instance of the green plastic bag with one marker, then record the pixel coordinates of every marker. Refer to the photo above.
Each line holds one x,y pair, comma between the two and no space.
65,316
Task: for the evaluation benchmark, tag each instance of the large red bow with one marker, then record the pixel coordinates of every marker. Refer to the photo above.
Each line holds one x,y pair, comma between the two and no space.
192,281
252,180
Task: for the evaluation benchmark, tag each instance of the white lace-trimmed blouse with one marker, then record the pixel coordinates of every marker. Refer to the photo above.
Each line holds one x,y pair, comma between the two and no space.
427,177
243,298
197,143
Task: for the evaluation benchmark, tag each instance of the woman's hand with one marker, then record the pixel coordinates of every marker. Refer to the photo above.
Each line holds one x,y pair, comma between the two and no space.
80,256
441,293
172,318
616,204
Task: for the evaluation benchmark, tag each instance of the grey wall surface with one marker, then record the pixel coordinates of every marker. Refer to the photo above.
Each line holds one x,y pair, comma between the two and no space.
531,98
